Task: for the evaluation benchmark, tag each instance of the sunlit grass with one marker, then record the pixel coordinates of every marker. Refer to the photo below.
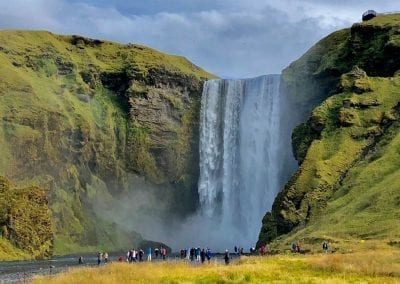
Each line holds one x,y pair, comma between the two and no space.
362,267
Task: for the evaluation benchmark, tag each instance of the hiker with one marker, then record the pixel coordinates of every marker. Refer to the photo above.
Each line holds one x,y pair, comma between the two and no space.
99,257
236,249
203,255
105,256
226,257
80,260
157,252
149,254
325,247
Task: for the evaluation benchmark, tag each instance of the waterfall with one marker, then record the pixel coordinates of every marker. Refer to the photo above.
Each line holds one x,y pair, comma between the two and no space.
240,159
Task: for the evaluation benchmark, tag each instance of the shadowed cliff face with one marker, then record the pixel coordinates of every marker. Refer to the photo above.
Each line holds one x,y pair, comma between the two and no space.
81,117
351,75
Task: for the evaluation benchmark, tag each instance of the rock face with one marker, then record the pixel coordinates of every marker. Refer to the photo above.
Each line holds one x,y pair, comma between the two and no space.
80,117
351,75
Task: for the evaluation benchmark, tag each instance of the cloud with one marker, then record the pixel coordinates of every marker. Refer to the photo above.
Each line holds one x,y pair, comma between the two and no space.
230,38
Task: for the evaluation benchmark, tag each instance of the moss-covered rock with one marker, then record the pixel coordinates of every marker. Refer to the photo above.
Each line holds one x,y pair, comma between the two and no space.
26,219
351,74
79,117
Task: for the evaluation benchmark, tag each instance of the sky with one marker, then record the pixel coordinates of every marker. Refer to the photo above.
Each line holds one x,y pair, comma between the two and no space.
230,38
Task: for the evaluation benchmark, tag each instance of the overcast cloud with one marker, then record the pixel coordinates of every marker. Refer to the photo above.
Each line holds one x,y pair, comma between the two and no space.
235,39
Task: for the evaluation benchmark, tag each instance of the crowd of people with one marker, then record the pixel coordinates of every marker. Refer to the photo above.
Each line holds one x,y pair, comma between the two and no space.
134,255
196,254
193,254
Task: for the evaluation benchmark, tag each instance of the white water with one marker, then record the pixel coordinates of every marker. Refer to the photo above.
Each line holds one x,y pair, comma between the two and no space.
240,159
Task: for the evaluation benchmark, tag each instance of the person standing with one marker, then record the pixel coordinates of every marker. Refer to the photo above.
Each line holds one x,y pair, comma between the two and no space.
198,250
141,253
325,247
163,253
226,257
99,258
149,254
191,254
298,247
105,256
208,255
203,255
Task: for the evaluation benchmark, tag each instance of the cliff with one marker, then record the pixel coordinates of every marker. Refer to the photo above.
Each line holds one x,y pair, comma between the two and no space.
80,120
347,150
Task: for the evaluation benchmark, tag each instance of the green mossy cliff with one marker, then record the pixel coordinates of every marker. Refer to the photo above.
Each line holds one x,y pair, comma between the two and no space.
79,118
348,149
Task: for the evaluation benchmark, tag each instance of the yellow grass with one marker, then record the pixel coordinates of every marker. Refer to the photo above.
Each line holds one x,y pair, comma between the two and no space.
361,267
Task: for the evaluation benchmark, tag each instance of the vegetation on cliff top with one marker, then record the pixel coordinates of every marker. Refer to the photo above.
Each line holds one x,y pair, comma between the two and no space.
345,187
68,125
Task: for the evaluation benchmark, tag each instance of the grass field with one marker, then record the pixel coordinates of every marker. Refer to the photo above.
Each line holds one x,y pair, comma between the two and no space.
361,267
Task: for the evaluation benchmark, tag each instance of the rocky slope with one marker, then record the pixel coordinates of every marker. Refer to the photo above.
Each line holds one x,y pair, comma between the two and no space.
80,120
348,149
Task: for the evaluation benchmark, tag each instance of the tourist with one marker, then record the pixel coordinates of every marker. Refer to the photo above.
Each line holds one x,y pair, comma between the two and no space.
149,254
80,260
141,253
99,258
298,247
325,247
191,254
134,255
226,257
163,252
198,250
203,255
293,247
156,251
208,255
105,256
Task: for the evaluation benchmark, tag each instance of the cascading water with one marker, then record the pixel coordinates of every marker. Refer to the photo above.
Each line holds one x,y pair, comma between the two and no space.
240,157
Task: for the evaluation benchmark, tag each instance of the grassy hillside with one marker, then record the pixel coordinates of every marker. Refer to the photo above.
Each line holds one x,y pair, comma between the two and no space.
345,189
69,124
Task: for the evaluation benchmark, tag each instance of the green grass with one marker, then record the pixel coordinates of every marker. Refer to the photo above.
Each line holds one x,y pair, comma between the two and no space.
383,20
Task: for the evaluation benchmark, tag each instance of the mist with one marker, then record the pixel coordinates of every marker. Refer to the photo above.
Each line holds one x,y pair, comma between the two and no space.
243,165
